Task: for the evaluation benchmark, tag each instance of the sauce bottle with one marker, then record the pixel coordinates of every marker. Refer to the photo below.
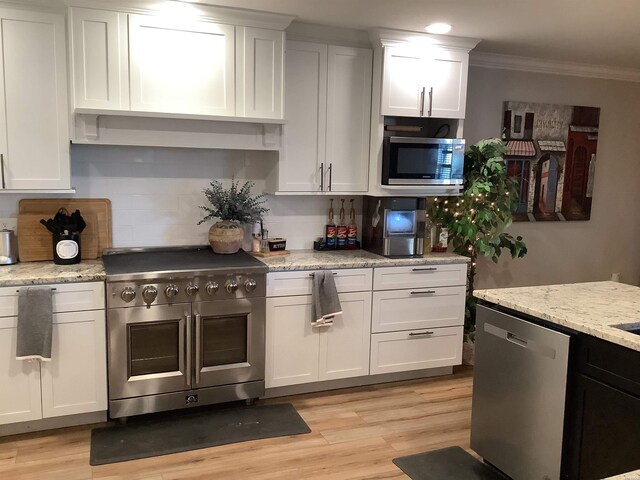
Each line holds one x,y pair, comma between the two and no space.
352,229
342,229
330,229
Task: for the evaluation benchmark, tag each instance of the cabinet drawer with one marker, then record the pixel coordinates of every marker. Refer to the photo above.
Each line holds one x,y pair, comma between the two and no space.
395,310
67,297
416,349
282,284
419,276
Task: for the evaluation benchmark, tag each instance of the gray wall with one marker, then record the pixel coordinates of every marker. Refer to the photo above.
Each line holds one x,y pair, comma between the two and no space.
566,252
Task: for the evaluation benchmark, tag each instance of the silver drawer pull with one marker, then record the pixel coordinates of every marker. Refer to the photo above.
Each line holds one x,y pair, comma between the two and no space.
423,292
428,269
417,334
313,274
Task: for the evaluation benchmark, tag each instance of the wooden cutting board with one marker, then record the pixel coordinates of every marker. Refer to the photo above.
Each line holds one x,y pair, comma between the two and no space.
35,242
98,209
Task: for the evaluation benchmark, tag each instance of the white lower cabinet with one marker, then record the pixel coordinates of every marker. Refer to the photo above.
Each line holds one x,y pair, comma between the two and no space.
20,392
75,380
416,349
297,352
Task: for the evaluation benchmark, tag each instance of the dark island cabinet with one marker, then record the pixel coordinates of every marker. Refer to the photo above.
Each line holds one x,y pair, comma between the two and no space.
602,436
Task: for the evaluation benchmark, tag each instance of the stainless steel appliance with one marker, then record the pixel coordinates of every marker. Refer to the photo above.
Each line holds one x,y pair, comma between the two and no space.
519,389
394,226
8,247
186,327
416,161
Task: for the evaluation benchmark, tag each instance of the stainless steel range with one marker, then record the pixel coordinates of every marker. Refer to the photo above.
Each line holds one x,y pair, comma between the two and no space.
186,327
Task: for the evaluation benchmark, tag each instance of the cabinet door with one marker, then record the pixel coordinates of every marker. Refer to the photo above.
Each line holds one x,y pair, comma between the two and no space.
349,113
403,82
181,66
34,117
604,438
99,47
344,346
303,156
20,392
259,72
292,344
75,380
448,76
416,349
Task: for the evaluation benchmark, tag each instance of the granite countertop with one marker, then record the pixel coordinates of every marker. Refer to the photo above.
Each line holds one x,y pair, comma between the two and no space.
313,260
592,308
39,273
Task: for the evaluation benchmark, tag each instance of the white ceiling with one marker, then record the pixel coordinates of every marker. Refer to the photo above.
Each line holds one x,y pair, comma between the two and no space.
597,32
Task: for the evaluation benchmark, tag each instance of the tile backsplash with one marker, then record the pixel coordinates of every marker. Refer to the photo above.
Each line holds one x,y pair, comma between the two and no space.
156,193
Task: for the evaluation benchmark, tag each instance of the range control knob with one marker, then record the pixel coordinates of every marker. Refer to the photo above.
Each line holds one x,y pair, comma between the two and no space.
171,291
231,286
192,289
128,294
212,288
149,294
250,285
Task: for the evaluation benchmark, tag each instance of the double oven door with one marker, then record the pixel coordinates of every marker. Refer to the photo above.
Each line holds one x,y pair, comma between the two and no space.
182,347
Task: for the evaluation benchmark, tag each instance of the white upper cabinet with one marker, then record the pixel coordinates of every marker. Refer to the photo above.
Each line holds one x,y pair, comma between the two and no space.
217,63
181,66
424,75
404,80
260,63
449,69
348,118
302,160
34,118
328,109
100,59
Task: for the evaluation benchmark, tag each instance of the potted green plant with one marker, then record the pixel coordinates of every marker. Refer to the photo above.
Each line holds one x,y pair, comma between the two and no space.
477,220
233,207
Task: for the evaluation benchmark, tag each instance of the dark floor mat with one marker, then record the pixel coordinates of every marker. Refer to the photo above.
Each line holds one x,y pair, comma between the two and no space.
160,435
451,463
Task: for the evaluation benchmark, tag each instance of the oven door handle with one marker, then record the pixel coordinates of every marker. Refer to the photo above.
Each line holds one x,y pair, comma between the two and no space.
189,343
198,347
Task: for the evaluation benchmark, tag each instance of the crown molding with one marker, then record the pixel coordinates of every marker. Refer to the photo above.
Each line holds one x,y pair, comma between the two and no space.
552,67
387,37
205,11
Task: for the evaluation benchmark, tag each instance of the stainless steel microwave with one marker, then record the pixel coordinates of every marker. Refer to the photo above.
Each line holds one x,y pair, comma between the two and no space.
418,161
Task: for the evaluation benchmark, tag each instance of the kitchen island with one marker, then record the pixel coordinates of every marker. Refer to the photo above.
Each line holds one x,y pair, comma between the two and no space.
559,362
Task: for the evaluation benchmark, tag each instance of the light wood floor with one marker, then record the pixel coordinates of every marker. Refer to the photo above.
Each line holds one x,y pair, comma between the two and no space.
355,435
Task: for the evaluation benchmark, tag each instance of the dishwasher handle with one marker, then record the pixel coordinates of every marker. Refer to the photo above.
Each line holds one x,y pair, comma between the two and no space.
535,346
513,338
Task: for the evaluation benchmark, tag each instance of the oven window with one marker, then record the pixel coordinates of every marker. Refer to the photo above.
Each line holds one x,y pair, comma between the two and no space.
154,348
224,340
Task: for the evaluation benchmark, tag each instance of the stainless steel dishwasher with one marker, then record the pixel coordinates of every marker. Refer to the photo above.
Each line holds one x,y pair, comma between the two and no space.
519,389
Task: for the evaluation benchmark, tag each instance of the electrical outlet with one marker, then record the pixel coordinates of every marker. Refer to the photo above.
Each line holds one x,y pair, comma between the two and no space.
8,223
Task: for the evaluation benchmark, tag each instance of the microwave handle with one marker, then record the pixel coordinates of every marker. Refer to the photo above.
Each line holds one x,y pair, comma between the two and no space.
422,101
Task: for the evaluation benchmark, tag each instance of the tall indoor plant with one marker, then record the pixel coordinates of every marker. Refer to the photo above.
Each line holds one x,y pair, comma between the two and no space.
477,219
233,206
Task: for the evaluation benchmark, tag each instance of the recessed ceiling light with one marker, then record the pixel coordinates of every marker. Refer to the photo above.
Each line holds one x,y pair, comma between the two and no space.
439,28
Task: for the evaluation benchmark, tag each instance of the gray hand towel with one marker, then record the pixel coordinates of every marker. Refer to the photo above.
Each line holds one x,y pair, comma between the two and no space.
326,303
35,323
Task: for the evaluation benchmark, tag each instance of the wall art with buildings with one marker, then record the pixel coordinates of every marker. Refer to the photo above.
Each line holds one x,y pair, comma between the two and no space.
551,152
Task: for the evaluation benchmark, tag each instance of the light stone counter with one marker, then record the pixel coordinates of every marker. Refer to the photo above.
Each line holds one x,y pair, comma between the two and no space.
592,308
39,273
314,260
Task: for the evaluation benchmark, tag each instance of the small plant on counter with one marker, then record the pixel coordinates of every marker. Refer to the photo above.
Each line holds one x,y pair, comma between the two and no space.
233,206
477,219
